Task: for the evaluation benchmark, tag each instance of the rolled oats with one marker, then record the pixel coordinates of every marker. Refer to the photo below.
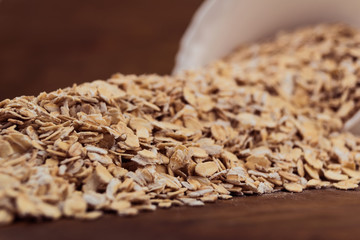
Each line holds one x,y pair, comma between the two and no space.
269,117
346,184
293,187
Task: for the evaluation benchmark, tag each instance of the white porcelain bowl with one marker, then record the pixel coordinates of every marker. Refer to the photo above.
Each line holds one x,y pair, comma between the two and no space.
219,26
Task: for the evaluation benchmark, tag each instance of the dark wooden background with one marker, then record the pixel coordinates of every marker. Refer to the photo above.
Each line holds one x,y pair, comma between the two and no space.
48,44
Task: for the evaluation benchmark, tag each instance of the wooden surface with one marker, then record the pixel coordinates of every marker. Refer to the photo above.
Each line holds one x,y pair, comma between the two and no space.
313,214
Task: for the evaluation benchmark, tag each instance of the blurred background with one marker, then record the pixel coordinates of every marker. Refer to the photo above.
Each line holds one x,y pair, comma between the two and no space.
45,45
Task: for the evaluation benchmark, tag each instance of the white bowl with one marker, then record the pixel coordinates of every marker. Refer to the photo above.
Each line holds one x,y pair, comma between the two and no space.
219,26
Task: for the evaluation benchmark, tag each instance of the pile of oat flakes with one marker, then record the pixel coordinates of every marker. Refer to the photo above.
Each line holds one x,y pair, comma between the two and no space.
267,118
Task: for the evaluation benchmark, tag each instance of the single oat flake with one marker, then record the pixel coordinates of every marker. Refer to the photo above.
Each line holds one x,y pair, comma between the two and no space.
268,117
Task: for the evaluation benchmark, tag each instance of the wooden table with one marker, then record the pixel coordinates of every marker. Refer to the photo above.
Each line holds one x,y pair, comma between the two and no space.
313,214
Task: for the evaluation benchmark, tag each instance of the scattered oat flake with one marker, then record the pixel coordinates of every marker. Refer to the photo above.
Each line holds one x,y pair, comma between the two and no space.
206,169
293,187
335,176
346,185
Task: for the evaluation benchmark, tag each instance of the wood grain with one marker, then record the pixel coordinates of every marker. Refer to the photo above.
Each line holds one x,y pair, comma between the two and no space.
313,214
